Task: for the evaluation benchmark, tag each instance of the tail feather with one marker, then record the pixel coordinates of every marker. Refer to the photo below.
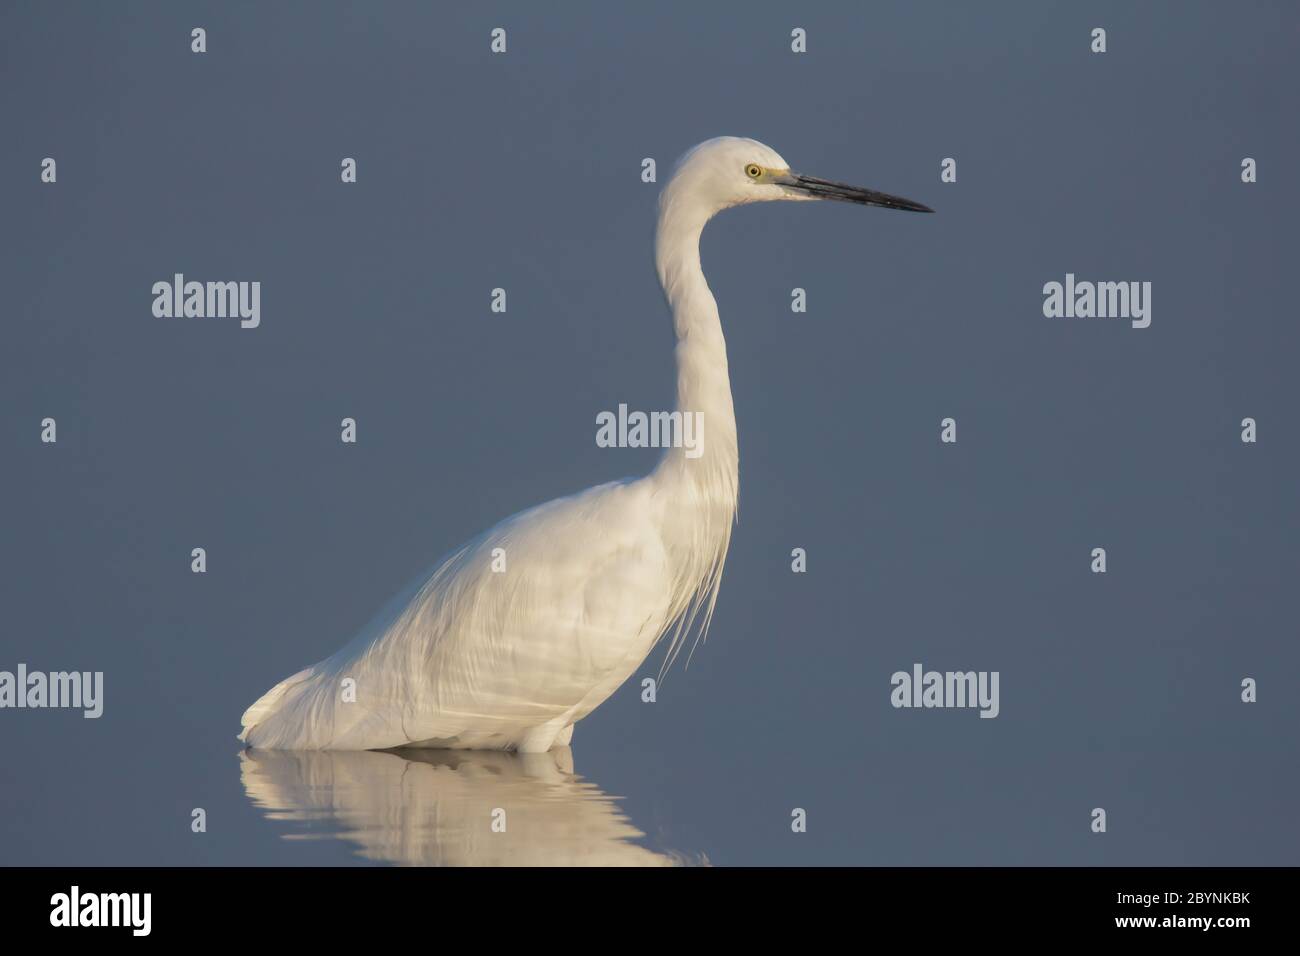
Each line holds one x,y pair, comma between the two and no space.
266,705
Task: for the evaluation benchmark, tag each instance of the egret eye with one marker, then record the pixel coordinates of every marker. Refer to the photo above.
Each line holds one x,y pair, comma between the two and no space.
753,170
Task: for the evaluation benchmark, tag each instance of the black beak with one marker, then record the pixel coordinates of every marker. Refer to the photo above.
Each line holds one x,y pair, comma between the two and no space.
825,189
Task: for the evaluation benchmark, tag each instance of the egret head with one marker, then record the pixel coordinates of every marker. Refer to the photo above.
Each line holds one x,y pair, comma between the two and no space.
731,170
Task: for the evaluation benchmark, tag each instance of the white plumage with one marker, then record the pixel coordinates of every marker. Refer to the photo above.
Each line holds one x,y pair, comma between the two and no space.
469,658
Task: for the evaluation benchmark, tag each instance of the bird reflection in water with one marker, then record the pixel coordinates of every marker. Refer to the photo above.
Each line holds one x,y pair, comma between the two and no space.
439,807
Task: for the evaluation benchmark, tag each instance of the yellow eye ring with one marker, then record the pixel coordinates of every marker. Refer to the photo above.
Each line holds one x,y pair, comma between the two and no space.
753,170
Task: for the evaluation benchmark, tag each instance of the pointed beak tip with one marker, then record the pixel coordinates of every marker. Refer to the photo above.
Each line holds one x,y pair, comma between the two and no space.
908,205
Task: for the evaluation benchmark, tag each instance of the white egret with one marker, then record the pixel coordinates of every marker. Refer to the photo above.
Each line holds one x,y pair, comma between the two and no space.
469,658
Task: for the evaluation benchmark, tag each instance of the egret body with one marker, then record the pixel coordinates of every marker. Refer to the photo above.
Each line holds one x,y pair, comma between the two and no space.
469,658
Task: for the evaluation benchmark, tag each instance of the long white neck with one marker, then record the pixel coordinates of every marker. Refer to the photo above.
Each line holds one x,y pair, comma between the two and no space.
701,486
703,384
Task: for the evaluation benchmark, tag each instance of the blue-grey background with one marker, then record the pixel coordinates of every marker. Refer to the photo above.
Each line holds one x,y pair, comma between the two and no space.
523,171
